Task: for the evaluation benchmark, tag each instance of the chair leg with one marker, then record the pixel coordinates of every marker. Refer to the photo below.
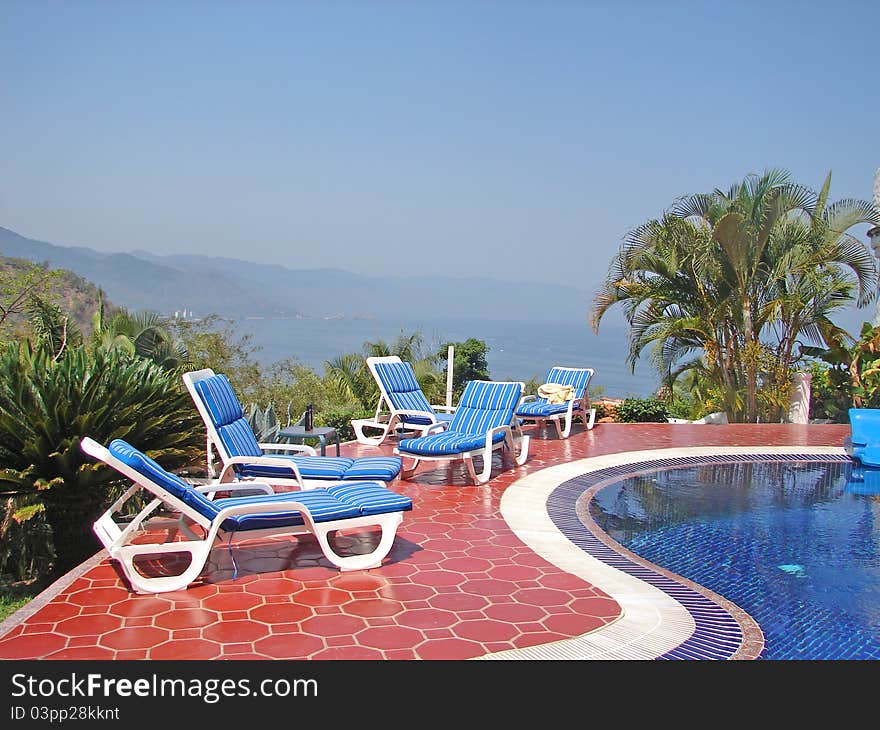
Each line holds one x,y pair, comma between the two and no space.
523,450
484,473
589,423
388,524
358,428
198,551
407,472
563,432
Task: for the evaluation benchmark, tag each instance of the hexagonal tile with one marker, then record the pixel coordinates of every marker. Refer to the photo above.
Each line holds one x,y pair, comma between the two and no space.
485,630
188,618
335,625
427,618
186,649
390,637
280,613
234,632
88,625
142,637
289,646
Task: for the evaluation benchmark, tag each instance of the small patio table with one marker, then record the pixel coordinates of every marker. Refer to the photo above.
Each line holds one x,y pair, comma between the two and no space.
298,435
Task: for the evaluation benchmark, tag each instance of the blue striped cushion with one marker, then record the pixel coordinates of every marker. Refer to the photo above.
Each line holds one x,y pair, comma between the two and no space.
541,407
220,399
311,467
227,416
239,440
424,421
322,506
383,468
144,465
337,502
446,442
403,389
371,499
485,405
578,379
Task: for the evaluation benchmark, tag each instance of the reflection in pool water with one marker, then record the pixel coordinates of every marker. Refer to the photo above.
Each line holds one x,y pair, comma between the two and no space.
794,544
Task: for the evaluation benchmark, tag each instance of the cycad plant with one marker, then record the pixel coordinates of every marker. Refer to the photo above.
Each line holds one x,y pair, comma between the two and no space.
48,402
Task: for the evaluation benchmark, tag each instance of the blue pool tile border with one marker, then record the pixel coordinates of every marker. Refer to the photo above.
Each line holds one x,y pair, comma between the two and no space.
717,634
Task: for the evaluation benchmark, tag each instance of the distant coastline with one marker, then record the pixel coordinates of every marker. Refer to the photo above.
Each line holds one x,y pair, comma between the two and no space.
517,350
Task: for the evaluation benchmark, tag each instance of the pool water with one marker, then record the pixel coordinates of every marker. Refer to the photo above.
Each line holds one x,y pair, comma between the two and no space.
794,544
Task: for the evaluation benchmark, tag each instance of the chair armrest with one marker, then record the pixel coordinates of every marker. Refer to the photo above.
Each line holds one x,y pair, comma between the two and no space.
403,415
492,431
445,409
252,509
262,461
234,487
303,448
527,398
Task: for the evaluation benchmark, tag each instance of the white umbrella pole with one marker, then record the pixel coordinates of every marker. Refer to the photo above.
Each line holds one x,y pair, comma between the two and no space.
449,359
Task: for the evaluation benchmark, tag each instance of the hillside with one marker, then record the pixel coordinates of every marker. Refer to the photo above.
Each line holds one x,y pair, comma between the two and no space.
230,287
74,294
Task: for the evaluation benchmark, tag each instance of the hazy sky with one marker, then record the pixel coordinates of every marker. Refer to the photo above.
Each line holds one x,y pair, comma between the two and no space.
519,140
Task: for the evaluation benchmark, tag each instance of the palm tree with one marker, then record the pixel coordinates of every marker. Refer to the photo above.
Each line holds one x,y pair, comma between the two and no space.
733,277
350,378
143,333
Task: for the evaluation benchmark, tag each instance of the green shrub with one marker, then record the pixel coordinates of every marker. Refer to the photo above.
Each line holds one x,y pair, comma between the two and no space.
642,410
341,419
830,392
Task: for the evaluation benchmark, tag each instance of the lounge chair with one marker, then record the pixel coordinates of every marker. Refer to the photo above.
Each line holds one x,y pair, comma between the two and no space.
483,422
402,404
317,511
864,440
538,409
243,457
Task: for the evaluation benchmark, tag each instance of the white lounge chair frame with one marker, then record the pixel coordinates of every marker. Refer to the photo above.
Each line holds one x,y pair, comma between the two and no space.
576,407
387,418
116,537
513,437
214,442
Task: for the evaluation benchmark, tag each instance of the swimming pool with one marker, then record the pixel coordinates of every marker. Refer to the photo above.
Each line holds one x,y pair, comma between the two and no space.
793,543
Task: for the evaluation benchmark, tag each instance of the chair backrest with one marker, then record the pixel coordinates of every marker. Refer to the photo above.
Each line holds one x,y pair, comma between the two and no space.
228,429
484,405
398,385
140,468
577,378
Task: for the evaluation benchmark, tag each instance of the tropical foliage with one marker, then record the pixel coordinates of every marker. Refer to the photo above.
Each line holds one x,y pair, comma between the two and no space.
469,363
730,285
140,333
48,403
643,410
116,374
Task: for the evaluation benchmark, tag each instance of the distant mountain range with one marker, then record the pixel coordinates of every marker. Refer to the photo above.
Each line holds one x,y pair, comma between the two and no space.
227,287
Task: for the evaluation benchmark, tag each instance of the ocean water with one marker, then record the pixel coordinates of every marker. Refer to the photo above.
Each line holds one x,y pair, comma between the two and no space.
517,350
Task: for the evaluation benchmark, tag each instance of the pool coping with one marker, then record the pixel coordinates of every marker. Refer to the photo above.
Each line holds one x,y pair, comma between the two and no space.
653,624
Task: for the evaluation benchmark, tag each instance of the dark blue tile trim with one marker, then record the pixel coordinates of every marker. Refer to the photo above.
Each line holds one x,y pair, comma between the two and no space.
717,634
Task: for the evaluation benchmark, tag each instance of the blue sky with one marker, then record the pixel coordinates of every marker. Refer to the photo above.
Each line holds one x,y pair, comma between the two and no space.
518,140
